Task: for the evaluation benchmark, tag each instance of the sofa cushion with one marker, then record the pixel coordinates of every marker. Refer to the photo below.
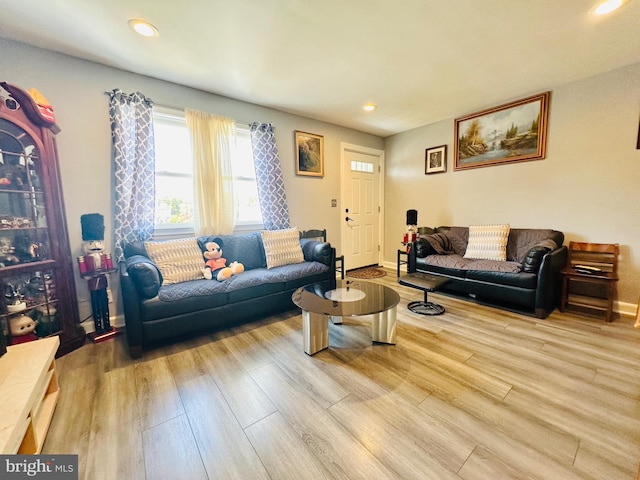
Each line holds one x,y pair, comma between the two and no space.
145,275
488,242
195,288
494,266
178,298
456,265
282,247
244,248
252,284
178,260
450,265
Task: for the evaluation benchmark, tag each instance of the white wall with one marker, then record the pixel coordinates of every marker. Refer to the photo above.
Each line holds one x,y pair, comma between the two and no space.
587,187
76,89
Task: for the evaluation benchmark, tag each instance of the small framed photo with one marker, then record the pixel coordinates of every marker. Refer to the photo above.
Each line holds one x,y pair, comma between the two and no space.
309,154
435,160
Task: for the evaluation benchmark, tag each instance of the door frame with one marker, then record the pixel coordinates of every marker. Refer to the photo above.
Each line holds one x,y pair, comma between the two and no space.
350,147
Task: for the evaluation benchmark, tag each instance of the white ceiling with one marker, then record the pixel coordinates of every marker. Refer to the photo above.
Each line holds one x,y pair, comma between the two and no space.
421,61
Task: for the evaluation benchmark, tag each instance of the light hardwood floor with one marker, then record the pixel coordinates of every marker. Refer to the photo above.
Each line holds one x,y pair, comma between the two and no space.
476,393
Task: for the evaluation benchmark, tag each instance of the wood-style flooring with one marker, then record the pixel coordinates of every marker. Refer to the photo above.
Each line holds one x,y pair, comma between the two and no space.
476,393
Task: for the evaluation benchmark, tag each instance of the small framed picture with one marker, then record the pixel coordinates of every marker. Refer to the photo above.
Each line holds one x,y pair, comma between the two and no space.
309,154
435,160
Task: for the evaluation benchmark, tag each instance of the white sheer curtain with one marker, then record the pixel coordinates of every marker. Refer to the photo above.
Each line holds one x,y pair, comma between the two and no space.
212,139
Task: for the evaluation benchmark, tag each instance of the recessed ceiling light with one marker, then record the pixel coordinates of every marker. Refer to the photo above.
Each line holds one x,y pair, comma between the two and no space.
607,6
144,28
369,107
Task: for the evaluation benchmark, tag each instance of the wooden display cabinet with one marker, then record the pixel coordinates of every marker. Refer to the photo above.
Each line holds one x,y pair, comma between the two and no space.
36,269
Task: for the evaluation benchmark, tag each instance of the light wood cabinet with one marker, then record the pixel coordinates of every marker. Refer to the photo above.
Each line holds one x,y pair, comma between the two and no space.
28,395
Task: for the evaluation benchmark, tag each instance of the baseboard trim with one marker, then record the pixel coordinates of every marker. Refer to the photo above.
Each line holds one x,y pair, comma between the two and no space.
625,309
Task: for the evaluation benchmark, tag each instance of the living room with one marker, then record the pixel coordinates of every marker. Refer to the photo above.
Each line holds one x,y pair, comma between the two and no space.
585,187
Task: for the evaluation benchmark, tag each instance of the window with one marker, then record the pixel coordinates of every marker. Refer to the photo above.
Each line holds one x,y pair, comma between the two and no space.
174,173
244,180
365,167
174,208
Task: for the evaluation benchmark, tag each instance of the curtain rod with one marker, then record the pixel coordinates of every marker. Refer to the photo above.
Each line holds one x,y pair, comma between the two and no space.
181,109
107,92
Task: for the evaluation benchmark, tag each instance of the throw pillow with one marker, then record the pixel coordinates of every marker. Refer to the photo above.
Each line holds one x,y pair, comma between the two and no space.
178,260
423,248
488,242
282,247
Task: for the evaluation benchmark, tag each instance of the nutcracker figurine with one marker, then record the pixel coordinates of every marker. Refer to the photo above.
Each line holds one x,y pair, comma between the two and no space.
412,222
96,269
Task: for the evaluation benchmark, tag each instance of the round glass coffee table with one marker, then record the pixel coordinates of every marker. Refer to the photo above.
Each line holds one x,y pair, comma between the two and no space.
321,302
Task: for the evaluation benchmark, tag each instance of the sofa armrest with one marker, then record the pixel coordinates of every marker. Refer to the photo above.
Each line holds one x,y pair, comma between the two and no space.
131,305
411,258
316,251
550,281
145,275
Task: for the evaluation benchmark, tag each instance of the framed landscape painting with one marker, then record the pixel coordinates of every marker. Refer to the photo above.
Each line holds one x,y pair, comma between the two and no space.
309,154
514,132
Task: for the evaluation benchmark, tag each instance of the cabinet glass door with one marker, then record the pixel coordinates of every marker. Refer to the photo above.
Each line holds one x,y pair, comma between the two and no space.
29,307
31,304
23,222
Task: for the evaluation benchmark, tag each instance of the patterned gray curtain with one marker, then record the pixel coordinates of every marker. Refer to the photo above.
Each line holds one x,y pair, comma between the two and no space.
273,200
134,167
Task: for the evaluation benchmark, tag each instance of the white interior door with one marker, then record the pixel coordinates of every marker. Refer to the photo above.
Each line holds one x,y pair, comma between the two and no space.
361,211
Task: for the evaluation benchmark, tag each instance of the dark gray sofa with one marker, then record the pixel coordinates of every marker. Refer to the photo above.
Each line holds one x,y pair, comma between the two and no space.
528,282
155,312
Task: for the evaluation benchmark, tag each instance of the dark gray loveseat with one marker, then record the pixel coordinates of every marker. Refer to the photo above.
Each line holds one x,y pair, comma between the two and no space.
155,312
529,281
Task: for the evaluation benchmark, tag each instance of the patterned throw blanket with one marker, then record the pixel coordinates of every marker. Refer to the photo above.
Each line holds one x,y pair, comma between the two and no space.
440,243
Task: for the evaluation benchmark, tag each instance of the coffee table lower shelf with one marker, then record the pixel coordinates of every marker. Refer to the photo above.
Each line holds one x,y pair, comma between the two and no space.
427,283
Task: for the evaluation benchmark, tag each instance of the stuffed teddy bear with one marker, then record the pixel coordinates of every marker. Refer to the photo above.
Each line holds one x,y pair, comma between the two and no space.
217,265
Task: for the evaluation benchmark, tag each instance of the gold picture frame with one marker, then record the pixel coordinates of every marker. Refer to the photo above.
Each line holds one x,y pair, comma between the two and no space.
509,133
309,154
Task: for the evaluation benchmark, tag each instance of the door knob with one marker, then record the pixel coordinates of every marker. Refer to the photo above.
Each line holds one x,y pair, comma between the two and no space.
346,219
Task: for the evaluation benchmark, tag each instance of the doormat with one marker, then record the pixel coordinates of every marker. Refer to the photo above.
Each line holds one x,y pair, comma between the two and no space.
366,273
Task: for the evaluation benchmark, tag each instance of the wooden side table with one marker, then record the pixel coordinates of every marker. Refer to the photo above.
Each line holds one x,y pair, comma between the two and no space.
400,261
589,280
